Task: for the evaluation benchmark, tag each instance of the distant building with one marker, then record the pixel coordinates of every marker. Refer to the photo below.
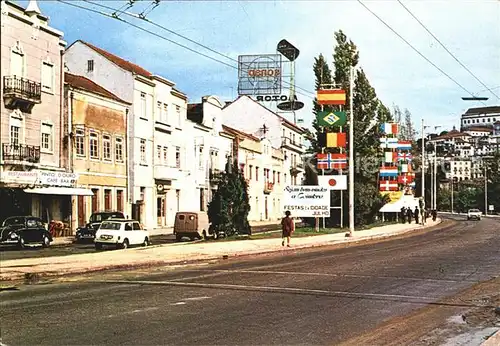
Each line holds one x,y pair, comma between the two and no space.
481,116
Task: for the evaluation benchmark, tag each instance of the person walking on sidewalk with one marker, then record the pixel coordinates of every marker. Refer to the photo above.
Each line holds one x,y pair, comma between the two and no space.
409,214
416,213
287,228
403,215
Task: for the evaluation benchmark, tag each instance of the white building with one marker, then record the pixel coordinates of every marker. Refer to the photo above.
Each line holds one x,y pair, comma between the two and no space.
159,147
249,116
481,116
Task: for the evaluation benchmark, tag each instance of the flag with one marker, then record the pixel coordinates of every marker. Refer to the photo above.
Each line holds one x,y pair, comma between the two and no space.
404,157
404,145
331,97
412,184
388,143
405,179
333,182
332,139
331,161
388,172
329,119
403,168
390,157
389,185
389,128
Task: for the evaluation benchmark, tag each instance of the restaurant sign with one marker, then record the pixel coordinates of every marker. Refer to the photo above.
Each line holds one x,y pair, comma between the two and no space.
307,201
37,177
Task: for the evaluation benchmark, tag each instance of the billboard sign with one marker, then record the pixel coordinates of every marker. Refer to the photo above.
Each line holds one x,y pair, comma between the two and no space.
307,201
259,74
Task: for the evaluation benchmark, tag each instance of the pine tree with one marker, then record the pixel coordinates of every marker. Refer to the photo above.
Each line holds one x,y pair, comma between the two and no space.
228,211
410,132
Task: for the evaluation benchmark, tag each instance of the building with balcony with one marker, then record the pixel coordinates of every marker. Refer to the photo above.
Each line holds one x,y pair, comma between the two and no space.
249,116
32,173
97,147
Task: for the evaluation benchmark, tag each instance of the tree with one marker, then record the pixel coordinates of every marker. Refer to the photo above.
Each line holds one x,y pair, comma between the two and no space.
229,208
409,127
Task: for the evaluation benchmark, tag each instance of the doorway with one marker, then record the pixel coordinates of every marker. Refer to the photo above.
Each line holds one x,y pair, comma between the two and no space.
266,212
81,211
161,207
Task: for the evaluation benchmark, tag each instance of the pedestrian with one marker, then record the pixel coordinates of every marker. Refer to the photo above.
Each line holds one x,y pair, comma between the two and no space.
287,228
416,214
434,215
403,215
409,214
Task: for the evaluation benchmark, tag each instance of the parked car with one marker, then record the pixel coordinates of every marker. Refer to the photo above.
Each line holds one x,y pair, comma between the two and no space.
23,230
474,214
121,234
88,232
194,225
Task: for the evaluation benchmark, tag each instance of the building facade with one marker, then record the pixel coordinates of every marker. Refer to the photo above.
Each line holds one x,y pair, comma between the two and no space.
249,116
481,116
33,176
97,153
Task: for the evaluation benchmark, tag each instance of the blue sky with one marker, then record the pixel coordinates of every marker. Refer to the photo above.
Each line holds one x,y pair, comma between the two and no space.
469,29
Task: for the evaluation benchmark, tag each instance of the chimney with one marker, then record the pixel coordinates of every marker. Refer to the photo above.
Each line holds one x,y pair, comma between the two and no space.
33,9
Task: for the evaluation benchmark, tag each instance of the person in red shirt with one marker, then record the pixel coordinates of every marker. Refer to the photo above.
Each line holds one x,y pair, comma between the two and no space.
287,228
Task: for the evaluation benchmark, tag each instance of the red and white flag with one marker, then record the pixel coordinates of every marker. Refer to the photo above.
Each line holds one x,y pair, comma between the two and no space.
333,182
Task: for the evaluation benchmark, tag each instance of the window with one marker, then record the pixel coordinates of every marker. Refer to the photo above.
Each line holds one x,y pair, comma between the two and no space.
165,155
80,142
90,65
106,147
95,200
165,113
200,158
250,171
15,134
178,111
107,199
17,64
47,76
47,139
143,151
257,173
94,145
158,153
158,111
178,157
119,149
142,110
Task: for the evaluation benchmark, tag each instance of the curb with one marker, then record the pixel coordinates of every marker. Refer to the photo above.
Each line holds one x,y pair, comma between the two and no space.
354,240
493,340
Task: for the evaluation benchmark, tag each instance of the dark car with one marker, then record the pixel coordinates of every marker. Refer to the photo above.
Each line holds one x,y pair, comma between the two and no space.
88,232
23,230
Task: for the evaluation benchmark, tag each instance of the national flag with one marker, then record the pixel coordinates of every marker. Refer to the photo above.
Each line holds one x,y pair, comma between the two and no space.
388,172
329,119
331,161
333,182
412,184
405,179
404,168
404,145
332,139
331,97
404,156
389,128
388,143
389,185
390,157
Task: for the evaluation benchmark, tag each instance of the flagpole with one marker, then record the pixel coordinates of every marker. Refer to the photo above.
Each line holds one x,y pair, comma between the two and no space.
351,152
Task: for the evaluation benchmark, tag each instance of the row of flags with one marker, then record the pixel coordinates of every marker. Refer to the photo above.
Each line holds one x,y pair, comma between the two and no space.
394,143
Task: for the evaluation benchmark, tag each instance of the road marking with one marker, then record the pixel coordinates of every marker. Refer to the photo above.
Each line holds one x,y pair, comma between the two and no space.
179,303
198,298
133,312
217,272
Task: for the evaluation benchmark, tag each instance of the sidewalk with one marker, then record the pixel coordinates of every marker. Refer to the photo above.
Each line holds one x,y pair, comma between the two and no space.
180,252
493,340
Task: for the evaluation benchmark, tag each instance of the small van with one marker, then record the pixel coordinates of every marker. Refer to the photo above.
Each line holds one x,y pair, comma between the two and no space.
191,224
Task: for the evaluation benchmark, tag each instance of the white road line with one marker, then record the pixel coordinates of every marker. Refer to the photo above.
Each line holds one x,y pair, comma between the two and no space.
133,312
198,298
230,271
345,294
179,303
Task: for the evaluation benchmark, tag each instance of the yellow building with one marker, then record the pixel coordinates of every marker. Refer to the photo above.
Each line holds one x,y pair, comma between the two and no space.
97,120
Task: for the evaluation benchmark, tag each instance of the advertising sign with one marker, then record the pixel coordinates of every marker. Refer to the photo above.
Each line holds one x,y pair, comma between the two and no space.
57,178
19,177
307,201
259,74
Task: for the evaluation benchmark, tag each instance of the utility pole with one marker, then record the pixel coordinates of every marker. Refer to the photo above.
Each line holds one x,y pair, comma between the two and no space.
351,152
435,179
485,189
423,163
452,183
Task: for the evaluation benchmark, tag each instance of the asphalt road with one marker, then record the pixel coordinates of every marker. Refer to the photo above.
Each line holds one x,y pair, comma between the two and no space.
321,296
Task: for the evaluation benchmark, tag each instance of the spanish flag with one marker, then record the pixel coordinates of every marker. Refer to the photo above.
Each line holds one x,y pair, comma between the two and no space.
331,97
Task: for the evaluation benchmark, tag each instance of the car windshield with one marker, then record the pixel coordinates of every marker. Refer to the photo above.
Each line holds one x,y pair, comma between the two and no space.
111,225
104,216
13,221
474,211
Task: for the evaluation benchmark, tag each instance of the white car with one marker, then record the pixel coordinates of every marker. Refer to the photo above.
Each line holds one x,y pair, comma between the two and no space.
474,214
121,234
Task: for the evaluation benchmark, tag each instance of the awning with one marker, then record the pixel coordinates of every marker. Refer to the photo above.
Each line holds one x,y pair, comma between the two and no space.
67,191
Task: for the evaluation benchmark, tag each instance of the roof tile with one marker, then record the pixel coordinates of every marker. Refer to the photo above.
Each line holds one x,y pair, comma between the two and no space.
81,82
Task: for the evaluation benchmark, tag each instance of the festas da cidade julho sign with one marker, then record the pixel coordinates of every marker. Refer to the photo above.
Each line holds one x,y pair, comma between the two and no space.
307,201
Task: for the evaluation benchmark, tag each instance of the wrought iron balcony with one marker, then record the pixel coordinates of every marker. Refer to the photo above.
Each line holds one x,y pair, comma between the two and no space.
21,93
21,153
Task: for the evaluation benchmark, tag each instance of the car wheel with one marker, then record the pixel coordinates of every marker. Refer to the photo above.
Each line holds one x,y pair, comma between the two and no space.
125,244
21,244
98,246
146,242
178,237
45,241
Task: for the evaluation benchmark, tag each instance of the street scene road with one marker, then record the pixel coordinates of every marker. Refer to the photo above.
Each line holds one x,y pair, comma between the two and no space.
317,296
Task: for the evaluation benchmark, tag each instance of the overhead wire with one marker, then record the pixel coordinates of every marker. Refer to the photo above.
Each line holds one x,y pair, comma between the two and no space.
164,38
417,51
447,50
133,15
